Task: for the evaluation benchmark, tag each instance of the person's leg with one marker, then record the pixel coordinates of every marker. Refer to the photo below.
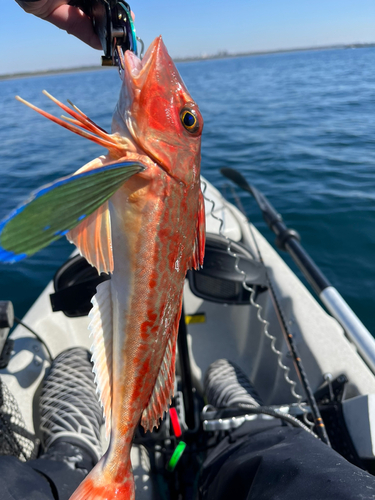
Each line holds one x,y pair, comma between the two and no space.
20,482
266,460
71,417
283,463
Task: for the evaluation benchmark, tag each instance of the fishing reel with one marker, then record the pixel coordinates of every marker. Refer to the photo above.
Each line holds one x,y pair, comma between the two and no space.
113,23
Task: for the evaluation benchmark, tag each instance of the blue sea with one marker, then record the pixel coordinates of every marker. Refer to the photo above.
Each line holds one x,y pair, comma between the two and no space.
300,127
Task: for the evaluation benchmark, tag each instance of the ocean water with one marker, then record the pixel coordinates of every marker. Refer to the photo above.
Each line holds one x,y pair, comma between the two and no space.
299,126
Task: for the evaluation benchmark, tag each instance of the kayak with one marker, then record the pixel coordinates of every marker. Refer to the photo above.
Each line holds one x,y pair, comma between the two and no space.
245,305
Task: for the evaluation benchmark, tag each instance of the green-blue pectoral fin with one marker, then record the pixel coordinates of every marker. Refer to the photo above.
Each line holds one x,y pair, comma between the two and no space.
56,208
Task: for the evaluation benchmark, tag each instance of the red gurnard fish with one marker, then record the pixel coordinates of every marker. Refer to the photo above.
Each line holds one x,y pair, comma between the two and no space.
147,234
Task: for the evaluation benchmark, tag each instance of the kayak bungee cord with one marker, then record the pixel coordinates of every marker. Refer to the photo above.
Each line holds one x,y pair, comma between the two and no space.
318,422
20,322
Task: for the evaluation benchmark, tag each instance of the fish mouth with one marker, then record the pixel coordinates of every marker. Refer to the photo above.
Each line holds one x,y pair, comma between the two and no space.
136,67
135,75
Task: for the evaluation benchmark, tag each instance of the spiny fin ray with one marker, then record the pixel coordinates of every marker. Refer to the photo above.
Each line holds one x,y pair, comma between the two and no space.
101,328
96,134
164,386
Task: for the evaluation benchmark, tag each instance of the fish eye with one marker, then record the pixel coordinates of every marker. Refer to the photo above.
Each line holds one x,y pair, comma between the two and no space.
189,120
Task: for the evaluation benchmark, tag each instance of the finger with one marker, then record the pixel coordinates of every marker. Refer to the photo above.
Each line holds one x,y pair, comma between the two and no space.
40,8
76,23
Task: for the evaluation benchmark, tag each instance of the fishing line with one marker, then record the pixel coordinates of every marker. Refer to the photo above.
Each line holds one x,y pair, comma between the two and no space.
237,200
142,49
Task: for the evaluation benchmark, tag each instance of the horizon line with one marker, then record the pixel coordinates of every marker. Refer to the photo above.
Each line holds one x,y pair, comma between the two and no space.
219,55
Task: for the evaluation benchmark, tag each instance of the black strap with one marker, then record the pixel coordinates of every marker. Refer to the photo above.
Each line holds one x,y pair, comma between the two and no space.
76,298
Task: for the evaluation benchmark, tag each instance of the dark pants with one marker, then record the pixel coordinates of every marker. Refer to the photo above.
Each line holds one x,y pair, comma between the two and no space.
54,476
262,460
269,461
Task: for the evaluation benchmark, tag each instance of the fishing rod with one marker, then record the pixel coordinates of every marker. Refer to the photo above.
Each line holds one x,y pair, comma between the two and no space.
320,428
289,338
289,241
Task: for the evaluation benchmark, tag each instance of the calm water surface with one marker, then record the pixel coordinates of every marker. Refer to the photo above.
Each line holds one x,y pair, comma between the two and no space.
299,126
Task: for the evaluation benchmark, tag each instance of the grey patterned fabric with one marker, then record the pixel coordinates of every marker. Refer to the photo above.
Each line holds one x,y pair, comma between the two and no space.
226,385
69,406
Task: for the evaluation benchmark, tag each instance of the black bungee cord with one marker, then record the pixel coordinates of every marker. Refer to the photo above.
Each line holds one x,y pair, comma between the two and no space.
20,322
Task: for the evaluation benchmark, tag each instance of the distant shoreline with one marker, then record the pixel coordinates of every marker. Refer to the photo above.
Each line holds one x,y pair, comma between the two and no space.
219,55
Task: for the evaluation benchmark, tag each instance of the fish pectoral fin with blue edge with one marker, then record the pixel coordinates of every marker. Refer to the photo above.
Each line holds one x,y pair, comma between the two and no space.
57,208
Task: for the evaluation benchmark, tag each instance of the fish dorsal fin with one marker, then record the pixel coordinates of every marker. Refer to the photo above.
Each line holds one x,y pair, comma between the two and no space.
93,239
101,329
164,387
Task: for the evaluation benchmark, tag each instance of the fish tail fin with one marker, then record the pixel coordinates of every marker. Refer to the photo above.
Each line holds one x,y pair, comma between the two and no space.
102,485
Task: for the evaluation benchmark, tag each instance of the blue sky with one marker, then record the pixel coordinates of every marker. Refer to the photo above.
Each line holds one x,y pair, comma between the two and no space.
193,28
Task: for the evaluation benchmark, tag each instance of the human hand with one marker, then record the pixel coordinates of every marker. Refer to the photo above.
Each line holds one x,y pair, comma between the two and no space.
64,16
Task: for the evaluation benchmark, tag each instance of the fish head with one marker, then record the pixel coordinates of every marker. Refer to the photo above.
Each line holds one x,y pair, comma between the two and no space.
159,114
